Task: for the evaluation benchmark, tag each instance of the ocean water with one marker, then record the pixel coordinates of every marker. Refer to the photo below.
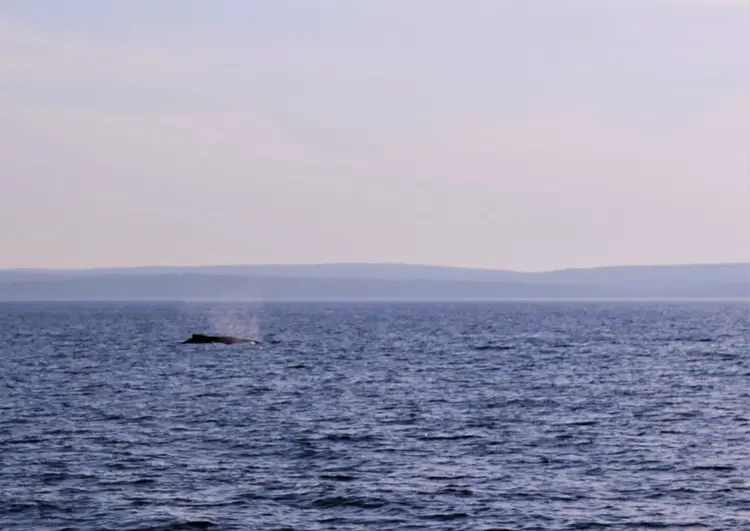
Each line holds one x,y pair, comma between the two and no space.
538,416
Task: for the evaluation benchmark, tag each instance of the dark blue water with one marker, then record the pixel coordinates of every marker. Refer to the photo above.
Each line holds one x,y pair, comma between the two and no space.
385,416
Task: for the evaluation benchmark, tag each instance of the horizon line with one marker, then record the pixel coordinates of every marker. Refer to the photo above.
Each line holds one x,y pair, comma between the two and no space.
743,300
356,263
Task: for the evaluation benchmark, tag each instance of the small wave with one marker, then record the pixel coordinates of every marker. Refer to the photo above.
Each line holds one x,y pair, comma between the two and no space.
584,526
446,478
458,437
342,501
21,507
647,525
679,339
54,477
347,437
447,517
582,423
717,468
338,477
195,524
23,440
456,491
189,525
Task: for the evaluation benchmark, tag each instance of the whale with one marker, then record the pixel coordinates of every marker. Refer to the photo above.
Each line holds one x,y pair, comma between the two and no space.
224,340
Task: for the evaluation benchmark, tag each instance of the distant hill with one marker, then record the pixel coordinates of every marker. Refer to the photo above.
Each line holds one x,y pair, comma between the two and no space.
373,271
375,282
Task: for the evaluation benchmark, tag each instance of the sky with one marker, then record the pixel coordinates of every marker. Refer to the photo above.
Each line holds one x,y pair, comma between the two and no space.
481,133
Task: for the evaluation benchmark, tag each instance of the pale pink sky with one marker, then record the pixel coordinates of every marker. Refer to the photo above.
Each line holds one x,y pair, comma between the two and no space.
486,133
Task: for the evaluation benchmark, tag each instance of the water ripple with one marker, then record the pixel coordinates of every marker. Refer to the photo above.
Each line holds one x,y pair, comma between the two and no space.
385,416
